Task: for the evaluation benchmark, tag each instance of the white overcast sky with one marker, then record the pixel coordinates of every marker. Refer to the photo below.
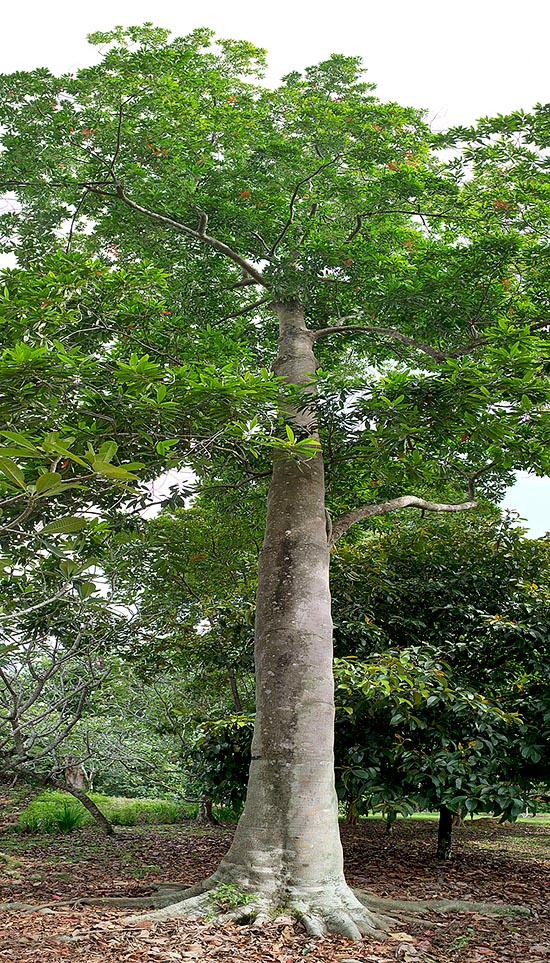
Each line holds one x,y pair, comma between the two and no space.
458,61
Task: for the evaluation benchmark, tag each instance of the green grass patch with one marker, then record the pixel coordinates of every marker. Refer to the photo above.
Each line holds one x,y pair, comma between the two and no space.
53,811
542,819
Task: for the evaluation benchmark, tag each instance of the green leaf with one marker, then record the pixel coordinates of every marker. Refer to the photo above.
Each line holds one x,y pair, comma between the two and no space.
64,526
69,568
107,452
113,471
12,471
86,589
50,480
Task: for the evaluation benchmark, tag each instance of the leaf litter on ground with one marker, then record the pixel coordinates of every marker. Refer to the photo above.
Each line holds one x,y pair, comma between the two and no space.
491,864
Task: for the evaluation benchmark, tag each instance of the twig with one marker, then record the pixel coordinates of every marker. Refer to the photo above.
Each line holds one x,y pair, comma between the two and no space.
77,210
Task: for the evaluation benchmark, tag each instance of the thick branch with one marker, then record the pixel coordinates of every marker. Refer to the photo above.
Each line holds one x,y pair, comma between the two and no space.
199,235
392,333
341,524
396,335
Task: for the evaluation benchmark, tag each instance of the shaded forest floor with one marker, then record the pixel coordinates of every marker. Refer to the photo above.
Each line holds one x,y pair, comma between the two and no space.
491,863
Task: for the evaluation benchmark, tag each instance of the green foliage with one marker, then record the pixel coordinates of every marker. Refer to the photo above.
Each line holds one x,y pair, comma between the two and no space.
229,897
461,718
131,812
218,759
52,812
68,818
172,144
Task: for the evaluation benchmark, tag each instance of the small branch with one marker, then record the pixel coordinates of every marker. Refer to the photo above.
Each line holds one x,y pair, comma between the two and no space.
290,217
357,228
341,524
77,211
262,242
12,526
243,283
236,485
32,608
118,144
239,314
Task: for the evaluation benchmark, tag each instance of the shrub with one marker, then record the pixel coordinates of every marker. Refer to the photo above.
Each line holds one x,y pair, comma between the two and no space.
69,817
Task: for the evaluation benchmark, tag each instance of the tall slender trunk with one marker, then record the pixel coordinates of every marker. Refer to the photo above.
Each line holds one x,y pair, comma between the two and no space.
288,834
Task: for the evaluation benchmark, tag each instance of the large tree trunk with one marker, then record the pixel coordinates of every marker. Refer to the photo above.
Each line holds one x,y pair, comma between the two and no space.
286,850
291,802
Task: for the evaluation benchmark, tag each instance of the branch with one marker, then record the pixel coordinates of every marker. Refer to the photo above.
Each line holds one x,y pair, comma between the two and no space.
32,608
77,211
246,310
12,526
357,228
198,235
118,145
381,332
290,218
391,210
341,524
396,335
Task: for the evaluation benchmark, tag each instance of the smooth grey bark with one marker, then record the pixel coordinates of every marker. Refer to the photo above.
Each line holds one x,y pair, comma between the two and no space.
291,802
286,854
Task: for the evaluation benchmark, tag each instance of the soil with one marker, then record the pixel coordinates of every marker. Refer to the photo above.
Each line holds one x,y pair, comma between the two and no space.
491,864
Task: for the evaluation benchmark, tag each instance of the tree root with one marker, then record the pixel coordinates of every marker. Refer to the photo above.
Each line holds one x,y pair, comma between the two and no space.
336,909
441,906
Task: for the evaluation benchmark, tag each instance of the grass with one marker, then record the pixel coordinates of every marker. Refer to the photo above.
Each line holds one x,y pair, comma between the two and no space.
52,811
542,819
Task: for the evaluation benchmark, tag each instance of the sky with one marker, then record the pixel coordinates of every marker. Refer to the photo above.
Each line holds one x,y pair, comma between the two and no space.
457,61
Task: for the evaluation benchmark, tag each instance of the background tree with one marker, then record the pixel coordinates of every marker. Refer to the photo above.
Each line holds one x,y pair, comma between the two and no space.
465,595
50,664
306,216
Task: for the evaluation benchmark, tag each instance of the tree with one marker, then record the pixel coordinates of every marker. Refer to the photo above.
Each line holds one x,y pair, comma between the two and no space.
410,737
473,597
314,228
49,667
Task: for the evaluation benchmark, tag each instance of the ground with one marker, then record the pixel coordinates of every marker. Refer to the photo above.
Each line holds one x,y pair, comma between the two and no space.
492,864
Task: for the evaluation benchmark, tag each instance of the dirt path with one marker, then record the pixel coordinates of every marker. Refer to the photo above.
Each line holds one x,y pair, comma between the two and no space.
491,864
